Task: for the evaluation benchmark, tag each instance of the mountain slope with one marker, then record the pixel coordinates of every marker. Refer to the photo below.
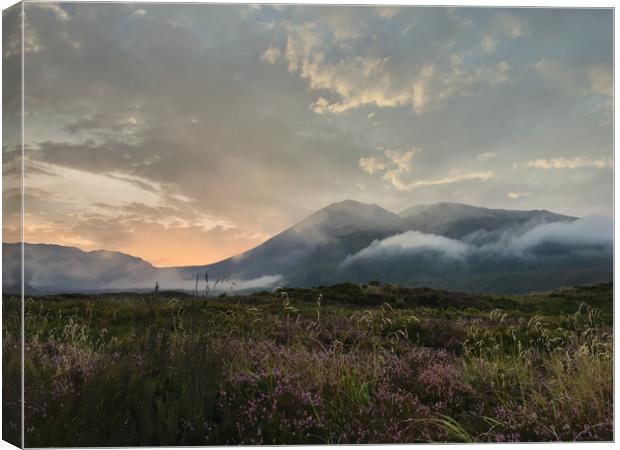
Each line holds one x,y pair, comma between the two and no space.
327,228
458,221
56,268
444,245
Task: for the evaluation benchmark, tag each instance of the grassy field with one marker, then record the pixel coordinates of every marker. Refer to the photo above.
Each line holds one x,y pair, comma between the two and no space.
342,364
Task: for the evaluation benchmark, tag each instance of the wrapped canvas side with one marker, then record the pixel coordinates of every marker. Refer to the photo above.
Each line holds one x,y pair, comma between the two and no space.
12,227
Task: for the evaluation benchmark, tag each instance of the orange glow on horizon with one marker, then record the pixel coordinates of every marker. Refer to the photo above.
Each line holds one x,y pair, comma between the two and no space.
160,247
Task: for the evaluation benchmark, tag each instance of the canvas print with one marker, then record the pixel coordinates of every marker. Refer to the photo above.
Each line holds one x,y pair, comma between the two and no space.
304,224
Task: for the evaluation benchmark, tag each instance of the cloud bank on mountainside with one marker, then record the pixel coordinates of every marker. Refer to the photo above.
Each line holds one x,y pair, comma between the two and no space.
586,232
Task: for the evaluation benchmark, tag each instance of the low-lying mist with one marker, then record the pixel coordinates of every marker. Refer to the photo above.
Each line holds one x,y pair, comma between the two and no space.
592,231
176,280
562,252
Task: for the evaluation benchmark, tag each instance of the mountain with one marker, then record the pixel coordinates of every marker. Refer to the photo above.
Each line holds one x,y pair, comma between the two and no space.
442,245
458,221
340,227
56,268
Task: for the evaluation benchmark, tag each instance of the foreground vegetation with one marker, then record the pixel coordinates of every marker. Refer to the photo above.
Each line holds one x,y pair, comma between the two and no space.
342,364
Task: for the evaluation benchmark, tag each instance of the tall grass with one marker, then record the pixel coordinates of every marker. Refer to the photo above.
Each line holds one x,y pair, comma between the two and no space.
312,367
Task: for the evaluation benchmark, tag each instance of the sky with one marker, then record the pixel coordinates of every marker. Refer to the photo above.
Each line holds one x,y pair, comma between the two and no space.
185,134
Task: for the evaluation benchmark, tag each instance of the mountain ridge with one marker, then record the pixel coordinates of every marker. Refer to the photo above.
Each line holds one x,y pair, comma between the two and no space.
394,247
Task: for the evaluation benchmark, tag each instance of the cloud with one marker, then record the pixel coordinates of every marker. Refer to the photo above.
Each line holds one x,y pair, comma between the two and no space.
124,212
401,160
176,279
387,13
510,25
32,43
567,163
591,230
393,164
301,41
358,78
271,55
585,232
173,279
139,13
504,26
372,164
264,281
407,243
56,9
454,177
516,195
433,86
190,138
601,80
513,243
489,44
321,106
596,79
343,27
396,163
180,104
486,156
66,269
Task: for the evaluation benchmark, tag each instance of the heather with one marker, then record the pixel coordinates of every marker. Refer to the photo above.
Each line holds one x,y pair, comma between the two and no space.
372,363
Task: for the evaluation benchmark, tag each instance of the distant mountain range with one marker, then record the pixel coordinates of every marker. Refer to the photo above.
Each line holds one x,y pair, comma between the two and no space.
443,245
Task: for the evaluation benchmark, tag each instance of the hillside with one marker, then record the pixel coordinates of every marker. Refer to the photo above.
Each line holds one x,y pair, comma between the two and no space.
443,245
457,221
